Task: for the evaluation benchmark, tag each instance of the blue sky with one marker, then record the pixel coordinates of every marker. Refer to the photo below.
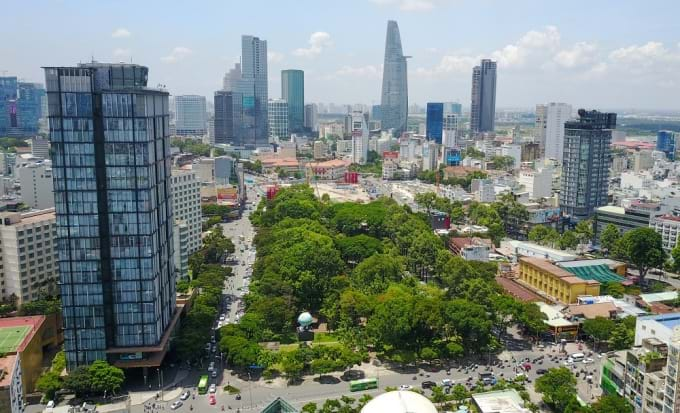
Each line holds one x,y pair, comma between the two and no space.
601,54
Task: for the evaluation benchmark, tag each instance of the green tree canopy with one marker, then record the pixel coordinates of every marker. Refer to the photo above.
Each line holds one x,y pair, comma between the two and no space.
643,248
558,387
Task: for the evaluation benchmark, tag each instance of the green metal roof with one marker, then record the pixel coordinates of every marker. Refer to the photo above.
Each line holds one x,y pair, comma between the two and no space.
600,273
279,406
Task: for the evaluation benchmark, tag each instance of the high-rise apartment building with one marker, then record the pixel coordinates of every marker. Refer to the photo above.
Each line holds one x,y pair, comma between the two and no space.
435,122
359,138
278,119
186,204
293,92
450,130
549,128
111,168
483,102
394,100
665,142
585,167
191,117
311,117
228,117
35,180
253,87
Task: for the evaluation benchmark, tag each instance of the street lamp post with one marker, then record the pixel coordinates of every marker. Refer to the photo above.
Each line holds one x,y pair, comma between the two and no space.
160,381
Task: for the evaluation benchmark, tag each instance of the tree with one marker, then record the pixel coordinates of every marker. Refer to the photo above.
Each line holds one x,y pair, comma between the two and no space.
49,383
643,248
599,328
675,254
105,378
568,240
78,381
533,319
292,368
41,307
584,231
621,337
610,235
558,387
611,403
613,288
438,395
426,200
309,408
359,247
459,393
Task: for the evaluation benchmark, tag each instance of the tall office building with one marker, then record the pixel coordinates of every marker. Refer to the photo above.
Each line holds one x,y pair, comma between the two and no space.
111,168
20,107
278,119
585,166
483,102
665,142
253,86
549,128
231,79
435,122
394,100
311,117
228,117
191,117
450,130
359,128
186,204
293,92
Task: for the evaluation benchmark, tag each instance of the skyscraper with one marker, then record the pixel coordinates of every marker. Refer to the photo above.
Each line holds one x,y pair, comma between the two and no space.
278,119
359,128
435,122
232,78
483,102
253,86
191,117
665,142
549,128
228,116
585,166
450,130
111,169
293,92
20,107
311,117
394,100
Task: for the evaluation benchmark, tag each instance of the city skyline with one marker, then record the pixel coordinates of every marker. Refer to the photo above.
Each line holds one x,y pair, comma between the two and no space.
542,56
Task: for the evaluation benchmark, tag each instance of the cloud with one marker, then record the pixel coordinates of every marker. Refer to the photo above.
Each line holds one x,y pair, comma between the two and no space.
530,44
645,54
580,54
122,53
409,5
318,41
121,33
274,57
177,54
360,71
459,64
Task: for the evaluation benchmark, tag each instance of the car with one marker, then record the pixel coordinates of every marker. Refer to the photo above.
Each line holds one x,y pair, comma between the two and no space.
541,371
212,389
588,361
50,404
405,387
211,367
222,317
176,405
447,382
212,399
213,374
185,395
428,384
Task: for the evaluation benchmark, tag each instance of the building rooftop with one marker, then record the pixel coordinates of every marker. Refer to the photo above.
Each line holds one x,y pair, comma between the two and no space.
399,401
553,269
6,367
501,401
333,163
17,332
611,209
600,273
669,321
657,297
590,311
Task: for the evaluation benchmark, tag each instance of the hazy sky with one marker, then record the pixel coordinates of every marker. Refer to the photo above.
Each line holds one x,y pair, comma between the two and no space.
595,53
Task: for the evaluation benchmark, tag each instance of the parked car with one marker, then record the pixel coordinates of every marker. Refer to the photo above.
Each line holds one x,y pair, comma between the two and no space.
213,374
541,371
428,384
405,387
176,405
447,382
212,389
185,395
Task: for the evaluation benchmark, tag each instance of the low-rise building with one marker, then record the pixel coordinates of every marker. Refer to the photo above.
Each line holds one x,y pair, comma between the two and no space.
499,401
331,170
320,150
483,189
555,283
471,249
537,183
668,227
530,249
638,215
35,179
389,168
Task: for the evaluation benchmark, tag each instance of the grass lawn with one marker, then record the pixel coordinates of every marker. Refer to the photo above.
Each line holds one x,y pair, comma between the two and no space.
11,337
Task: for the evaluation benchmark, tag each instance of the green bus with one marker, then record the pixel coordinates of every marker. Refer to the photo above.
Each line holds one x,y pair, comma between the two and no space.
203,385
363,384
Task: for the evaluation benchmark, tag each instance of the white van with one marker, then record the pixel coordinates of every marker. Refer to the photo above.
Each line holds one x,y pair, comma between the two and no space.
577,357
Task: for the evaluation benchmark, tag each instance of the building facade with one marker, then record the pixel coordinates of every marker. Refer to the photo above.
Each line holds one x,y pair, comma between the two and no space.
665,142
28,255
293,92
549,128
278,119
435,122
40,148
311,118
186,205
483,101
20,107
450,130
11,389
35,179
669,227
191,117
111,169
553,282
359,138
585,166
228,117
394,98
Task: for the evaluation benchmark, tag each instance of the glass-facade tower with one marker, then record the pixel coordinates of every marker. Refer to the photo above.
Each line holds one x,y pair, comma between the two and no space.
665,142
585,164
293,92
483,101
394,100
111,169
253,87
435,122
20,107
